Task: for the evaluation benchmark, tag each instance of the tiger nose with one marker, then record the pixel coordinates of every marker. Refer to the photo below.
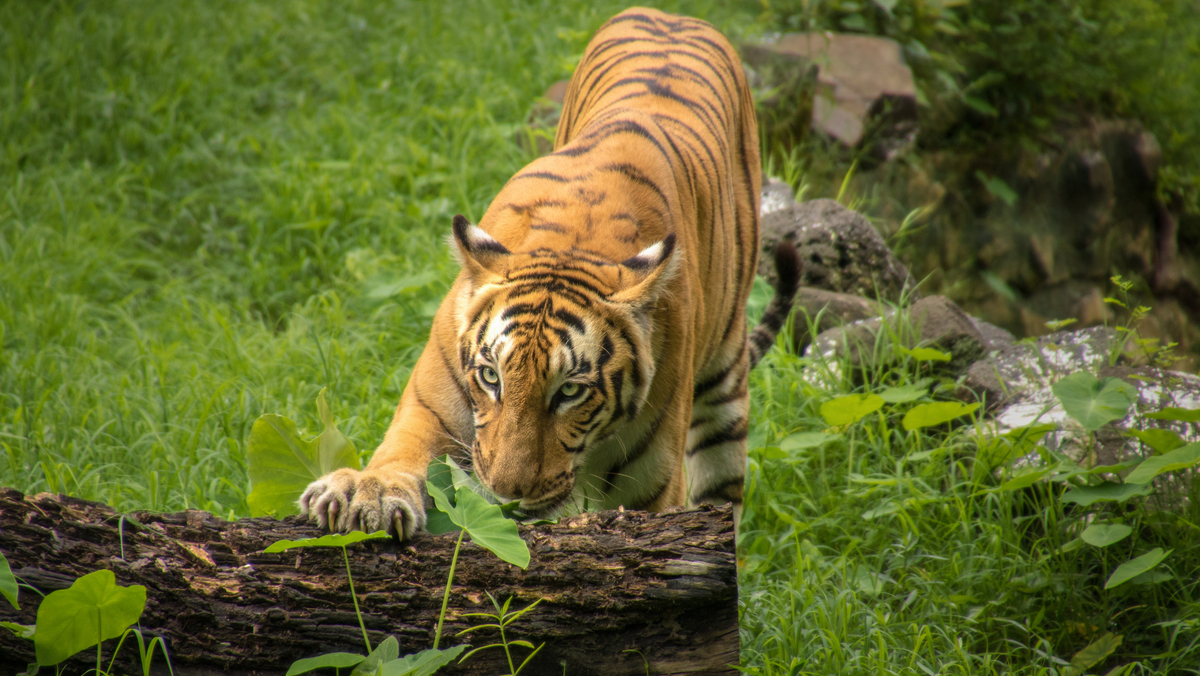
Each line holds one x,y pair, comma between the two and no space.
511,483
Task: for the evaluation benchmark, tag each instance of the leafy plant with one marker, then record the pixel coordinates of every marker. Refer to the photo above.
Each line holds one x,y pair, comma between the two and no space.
462,507
503,619
92,610
334,540
282,463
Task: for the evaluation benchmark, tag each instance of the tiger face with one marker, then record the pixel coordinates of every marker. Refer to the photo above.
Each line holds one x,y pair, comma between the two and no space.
555,351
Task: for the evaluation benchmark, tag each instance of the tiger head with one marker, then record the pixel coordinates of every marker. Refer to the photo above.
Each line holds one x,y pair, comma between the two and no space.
555,348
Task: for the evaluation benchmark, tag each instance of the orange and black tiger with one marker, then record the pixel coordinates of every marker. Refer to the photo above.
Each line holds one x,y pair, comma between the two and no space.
595,343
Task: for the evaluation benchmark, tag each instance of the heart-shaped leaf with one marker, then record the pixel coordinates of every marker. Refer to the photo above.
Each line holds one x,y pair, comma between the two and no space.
93,609
328,660
331,540
850,409
1161,440
1180,458
1177,414
1105,534
929,415
387,651
1084,496
282,464
905,393
1093,402
424,663
1134,567
1096,652
485,523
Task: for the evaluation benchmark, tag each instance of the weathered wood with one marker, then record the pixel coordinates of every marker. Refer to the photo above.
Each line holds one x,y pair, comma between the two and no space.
661,584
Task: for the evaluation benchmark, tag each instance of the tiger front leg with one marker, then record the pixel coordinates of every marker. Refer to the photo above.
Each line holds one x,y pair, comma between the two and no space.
389,494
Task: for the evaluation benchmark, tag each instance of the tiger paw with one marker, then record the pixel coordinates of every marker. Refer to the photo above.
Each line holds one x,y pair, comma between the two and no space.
348,500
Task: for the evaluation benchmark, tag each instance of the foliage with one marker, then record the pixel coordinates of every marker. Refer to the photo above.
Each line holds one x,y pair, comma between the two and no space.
282,464
1012,69
503,619
881,547
488,528
92,610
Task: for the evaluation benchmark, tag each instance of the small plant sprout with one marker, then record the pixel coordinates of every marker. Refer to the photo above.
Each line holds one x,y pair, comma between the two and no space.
503,619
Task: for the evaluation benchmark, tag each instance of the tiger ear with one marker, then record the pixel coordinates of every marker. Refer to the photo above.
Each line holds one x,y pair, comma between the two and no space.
479,253
648,273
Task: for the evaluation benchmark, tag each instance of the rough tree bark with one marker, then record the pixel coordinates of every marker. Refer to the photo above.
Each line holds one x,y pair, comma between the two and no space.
661,584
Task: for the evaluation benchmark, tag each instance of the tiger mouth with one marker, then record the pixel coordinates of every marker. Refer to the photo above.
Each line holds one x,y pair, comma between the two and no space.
545,506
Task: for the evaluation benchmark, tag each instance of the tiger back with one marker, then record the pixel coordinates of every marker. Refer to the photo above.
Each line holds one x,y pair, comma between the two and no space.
595,343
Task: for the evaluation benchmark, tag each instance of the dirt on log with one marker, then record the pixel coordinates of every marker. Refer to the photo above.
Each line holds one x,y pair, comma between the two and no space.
663,585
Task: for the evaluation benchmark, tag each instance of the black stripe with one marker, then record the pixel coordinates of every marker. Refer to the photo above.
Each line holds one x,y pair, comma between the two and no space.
722,491
735,431
636,175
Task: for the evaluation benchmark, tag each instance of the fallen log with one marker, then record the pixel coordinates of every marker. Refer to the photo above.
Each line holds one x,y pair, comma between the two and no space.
622,592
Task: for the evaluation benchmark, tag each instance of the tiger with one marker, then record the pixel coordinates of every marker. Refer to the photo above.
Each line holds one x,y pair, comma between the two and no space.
594,349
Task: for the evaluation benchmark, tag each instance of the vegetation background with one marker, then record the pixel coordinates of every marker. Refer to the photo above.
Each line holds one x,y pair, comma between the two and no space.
211,210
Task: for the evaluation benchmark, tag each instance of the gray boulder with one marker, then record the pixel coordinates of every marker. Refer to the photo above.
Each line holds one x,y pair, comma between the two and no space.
840,250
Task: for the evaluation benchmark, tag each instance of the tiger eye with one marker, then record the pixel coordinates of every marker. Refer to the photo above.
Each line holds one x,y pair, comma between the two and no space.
489,375
570,389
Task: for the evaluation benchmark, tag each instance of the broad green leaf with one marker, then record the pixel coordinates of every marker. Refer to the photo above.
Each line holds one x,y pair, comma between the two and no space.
802,440
925,353
387,651
906,393
485,523
1177,414
1152,577
999,451
22,630
1096,652
448,476
1180,458
1105,534
1025,479
331,540
424,663
8,583
1084,496
1161,440
850,409
334,660
928,415
282,464
1134,567
92,610
1093,402
772,453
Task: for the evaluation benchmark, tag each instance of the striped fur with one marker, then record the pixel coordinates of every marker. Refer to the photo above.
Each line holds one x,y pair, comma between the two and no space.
595,343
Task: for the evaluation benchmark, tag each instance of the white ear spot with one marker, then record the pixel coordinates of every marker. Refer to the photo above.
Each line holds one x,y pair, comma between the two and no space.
652,256
474,240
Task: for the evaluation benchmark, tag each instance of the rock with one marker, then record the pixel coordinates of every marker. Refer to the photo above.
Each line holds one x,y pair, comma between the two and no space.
994,337
840,250
931,322
1028,366
1156,389
824,310
862,85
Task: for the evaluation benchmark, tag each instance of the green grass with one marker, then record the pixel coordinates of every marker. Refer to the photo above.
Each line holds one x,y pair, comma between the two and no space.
208,212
